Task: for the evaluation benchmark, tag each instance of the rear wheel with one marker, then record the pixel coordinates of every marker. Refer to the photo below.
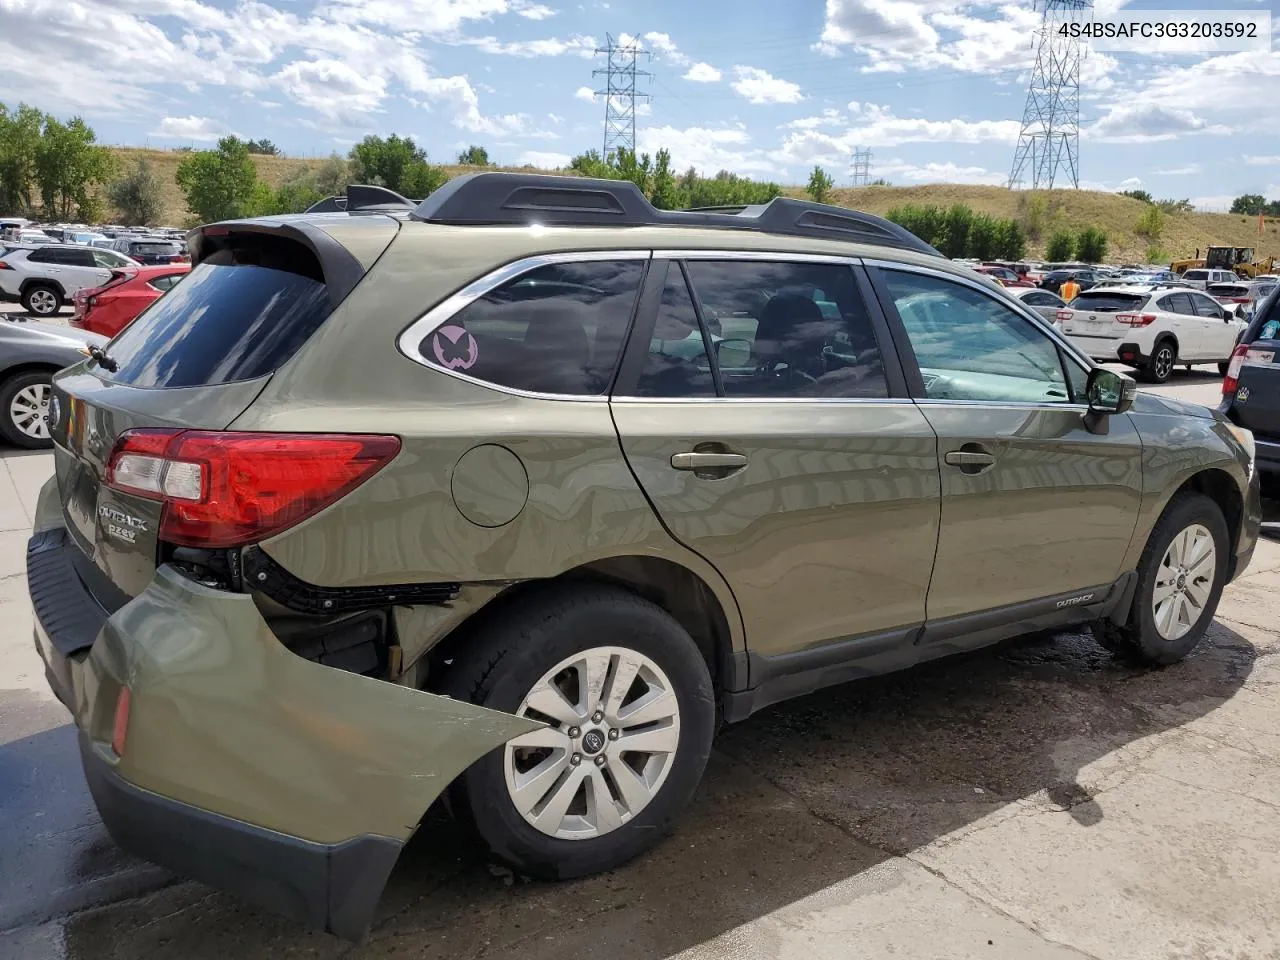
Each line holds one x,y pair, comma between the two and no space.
24,409
1180,579
628,713
1160,367
41,300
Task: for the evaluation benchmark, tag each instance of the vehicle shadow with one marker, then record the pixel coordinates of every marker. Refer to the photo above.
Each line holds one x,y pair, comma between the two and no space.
796,799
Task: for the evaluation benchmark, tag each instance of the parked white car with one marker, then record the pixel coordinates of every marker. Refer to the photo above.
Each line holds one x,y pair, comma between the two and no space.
1152,330
43,278
1044,302
1200,278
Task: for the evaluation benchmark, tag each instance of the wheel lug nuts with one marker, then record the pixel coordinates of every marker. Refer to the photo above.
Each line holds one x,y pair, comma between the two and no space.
599,761
613,734
597,717
576,759
574,732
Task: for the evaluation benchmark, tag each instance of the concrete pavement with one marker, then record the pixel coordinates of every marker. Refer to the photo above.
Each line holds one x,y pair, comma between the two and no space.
1035,801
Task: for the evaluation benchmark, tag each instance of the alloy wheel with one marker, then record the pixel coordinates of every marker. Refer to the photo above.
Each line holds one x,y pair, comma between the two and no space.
43,302
613,730
1184,581
1164,363
29,410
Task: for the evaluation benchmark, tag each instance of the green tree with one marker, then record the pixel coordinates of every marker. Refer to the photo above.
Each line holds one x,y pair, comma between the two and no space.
879,182
1091,245
984,235
1034,208
1137,195
474,156
68,163
263,146
1011,242
19,143
1150,224
221,184
396,163
1175,206
136,196
1249,203
955,235
664,195
820,184
1061,246
295,196
333,175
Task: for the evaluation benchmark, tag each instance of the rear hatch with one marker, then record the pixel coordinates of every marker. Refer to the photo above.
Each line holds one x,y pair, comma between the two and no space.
1252,386
1102,314
194,360
157,252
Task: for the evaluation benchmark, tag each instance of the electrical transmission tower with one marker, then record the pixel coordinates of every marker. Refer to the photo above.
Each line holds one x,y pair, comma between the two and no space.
620,93
1049,141
861,168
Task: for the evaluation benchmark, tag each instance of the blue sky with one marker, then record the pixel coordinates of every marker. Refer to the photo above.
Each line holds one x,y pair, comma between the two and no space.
934,88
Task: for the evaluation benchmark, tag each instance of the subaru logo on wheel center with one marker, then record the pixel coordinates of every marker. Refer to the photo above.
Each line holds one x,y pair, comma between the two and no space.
593,741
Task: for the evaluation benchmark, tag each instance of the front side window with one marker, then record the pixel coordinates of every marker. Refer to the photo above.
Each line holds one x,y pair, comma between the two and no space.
788,329
972,347
556,329
1205,307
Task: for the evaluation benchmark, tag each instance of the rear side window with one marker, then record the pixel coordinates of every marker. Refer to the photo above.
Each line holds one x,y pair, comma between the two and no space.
558,329
678,364
1177,303
1099,302
1196,275
155,249
239,315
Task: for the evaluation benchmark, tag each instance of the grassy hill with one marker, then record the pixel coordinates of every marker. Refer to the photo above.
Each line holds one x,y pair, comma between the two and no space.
1070,209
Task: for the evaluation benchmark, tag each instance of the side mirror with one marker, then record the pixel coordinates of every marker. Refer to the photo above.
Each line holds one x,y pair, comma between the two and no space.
733,353
1107,392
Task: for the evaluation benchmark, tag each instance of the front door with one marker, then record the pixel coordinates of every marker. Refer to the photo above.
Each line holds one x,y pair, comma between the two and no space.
1034,505
775,439
1218,334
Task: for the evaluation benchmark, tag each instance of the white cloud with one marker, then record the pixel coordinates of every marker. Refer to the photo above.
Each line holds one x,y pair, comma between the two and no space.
1255,161
703,73
830,117
1184,170
585,94
882,25
1130,183
708,149
533,11
544,159
191,128
551,47
760,86
419,16
555,118
1143,122
332,87
897,170
661,44
1213,203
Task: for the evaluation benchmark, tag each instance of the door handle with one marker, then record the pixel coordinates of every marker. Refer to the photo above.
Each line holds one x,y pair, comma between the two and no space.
708,461
971,459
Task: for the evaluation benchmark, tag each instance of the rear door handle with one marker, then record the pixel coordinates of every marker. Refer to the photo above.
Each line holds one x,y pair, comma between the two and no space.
708,461
969,458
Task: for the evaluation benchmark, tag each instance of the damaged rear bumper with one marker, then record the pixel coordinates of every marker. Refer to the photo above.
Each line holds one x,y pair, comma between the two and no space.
291,784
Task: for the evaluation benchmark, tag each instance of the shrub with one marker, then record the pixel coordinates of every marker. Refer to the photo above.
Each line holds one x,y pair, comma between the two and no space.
1061,246
1091,245
820,184
1150,224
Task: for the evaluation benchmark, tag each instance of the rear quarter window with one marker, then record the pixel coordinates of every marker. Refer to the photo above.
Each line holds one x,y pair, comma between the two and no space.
239,315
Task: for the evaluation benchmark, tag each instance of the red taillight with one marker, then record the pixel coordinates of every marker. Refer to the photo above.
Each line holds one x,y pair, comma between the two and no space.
1063,315
1232,379
120,724
227,489
1136,319
5,266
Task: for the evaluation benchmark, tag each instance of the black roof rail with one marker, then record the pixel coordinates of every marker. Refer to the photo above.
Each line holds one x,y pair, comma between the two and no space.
364,198
511,199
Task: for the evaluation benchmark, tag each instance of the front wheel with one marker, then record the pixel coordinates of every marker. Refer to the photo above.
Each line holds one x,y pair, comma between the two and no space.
41,301
1180,579
24,409
1160,367
627,711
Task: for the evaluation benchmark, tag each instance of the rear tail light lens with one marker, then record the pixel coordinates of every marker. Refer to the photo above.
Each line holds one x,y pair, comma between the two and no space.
5,266
1136,319
228,489
1063,315
1232,379
120,722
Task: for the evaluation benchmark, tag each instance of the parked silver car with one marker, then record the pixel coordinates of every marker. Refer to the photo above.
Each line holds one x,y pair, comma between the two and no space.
1044,302
30,354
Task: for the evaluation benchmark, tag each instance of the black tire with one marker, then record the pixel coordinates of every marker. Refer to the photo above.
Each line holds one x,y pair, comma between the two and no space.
37,309
8,390
1159,368
1138,640
510,653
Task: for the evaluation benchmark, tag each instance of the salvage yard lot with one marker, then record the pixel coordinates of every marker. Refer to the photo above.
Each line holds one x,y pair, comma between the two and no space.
1039,800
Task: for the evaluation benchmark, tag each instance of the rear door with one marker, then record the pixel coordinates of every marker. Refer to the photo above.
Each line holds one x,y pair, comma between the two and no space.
1035,507
197,360
768,425
1180,319
80,271
1256,401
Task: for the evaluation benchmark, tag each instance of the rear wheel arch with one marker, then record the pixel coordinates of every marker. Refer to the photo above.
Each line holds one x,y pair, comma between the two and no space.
54,285
675,588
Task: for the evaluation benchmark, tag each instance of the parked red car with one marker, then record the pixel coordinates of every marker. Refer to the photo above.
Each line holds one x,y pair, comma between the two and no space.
112,307
1006,276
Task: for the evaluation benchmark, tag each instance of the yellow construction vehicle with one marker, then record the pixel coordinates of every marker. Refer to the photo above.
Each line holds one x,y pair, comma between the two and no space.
1240,260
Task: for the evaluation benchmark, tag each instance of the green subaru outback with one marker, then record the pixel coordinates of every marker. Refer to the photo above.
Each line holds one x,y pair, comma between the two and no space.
516,494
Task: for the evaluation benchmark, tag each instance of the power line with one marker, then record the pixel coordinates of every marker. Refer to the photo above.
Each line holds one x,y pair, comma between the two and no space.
620,92
861,167
1050,136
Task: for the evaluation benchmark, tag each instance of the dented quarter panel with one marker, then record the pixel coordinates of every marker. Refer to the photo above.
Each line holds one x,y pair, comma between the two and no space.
225,718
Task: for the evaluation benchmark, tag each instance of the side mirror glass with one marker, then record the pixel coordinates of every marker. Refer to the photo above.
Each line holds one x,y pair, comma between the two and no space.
1109,392
733,353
